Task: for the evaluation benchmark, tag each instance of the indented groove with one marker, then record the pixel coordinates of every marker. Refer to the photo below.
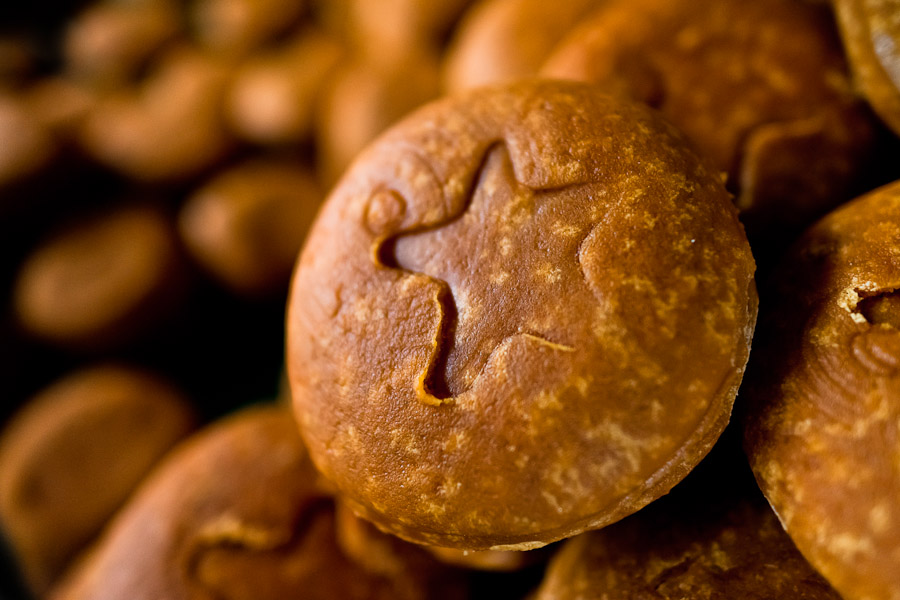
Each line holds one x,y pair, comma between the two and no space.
881,309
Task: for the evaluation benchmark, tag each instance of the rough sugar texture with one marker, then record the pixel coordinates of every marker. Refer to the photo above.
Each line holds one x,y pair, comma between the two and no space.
871,32
824,397
234,514
523,313
690,546
760,87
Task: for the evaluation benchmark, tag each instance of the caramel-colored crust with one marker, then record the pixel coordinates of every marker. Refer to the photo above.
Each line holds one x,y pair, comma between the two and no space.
524,312
871,33
824,396
73,455
247,225
102,282
234,514
698,551
499,41
759,87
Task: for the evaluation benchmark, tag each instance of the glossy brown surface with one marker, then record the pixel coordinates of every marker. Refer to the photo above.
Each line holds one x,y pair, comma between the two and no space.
697,546
73,455
101,282
500,41
824,396
759,87
871,33
523,313
234,513
246,226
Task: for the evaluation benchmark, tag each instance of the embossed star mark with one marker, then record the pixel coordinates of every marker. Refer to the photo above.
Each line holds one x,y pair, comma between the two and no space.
509,265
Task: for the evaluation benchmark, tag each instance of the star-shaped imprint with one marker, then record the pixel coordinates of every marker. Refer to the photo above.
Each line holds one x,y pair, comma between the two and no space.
509,264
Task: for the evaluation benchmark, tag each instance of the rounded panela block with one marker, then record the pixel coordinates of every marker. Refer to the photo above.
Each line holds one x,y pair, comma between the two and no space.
500,41
362,99
823,396
274,94
246,225
110,42
697,547
411,566
102,282
871,33
73,455
235,512
523,313
168,127
761,88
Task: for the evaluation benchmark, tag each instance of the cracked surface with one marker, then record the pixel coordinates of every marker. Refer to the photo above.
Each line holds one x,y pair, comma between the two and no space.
871,33
523,313
824,397
235,513
761,88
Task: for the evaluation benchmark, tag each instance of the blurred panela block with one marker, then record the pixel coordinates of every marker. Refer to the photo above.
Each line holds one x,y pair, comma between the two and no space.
499,41
871,33
362,99
247,224
234,28
274,95
72,456
109,43
234,512
102,282
170,125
